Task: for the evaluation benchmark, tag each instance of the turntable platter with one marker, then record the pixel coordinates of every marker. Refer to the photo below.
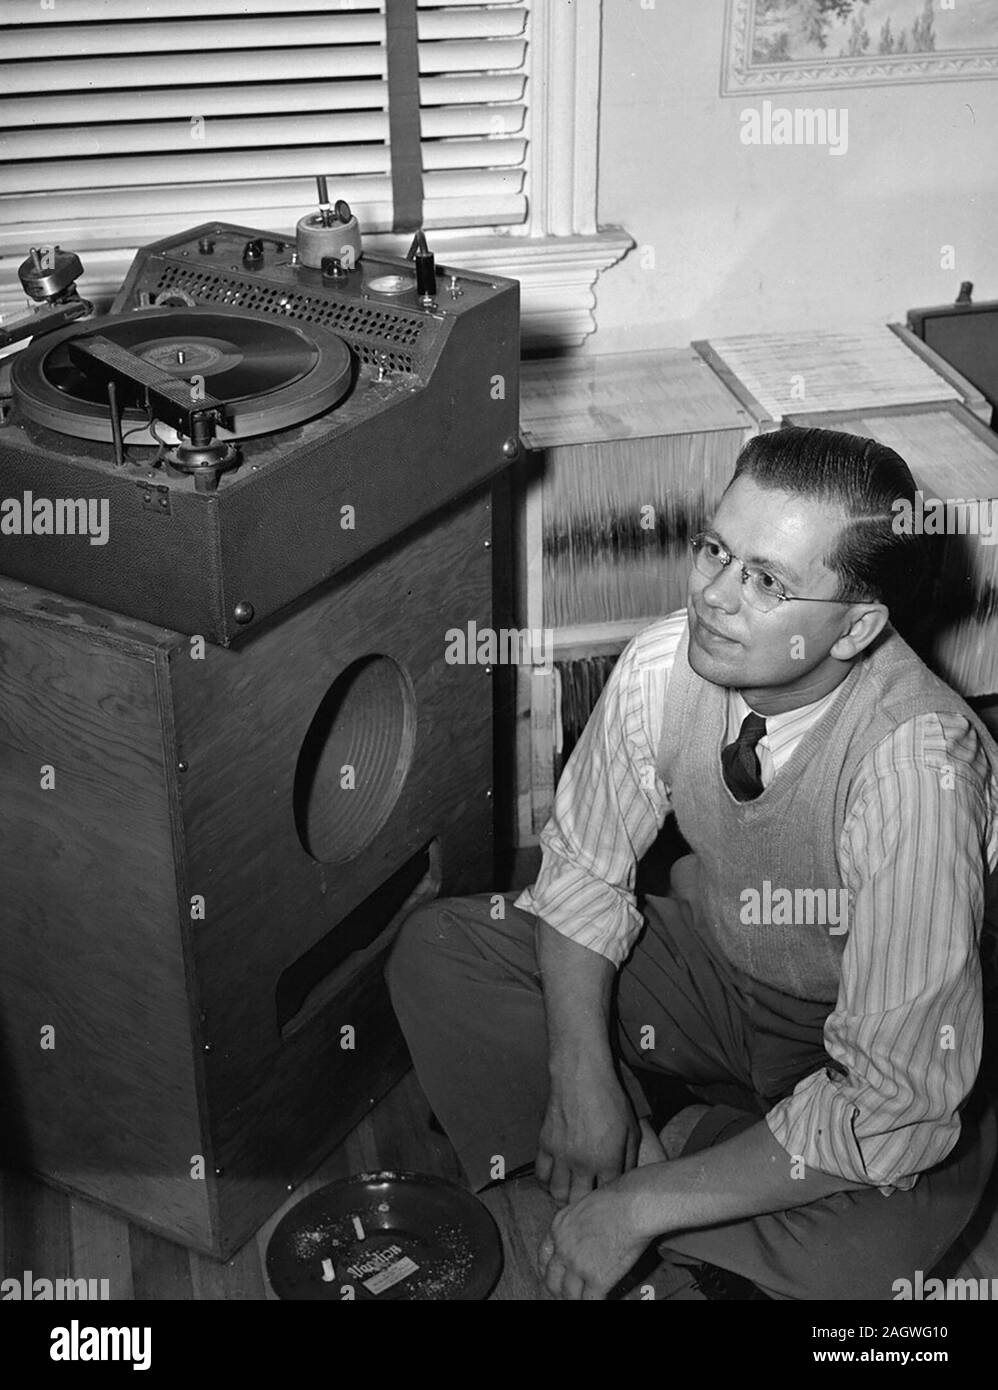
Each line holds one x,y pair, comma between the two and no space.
271,373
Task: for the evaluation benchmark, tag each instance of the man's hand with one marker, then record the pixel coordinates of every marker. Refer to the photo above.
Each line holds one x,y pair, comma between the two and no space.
592,1245
589,1135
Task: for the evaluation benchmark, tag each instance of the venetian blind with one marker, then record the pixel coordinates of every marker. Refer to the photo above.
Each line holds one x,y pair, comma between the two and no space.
122,121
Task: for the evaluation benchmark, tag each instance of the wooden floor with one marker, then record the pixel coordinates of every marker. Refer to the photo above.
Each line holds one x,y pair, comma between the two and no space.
58,1236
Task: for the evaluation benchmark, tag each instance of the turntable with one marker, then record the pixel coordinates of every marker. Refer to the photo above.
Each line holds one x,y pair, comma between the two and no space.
304,454
224,371
253,424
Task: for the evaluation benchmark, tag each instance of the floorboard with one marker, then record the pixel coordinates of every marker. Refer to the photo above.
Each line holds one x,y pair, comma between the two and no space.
36,1225
101,1247
160,1269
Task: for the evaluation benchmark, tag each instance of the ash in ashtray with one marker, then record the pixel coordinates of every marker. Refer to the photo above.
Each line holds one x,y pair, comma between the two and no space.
336,1233
446,1277
443,1265
319,1240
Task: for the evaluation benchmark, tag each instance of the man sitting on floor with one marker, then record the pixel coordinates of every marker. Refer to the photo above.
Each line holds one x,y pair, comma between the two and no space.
813,975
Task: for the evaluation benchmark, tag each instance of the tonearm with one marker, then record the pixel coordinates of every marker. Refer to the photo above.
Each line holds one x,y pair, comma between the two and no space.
191,411
48,275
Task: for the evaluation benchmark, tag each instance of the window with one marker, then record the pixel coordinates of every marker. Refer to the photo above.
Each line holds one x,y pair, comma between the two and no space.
129,120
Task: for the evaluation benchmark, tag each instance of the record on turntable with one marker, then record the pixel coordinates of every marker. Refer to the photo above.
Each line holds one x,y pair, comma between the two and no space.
264,372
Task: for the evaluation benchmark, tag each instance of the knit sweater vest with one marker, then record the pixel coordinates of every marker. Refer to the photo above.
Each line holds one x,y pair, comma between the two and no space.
788,837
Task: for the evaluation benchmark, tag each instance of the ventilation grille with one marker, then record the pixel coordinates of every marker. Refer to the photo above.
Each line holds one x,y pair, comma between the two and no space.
390,332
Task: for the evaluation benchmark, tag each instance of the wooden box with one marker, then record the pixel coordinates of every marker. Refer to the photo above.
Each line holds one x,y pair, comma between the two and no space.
869,367
204,854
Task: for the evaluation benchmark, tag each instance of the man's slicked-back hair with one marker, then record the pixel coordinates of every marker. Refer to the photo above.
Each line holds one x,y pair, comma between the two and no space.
865,478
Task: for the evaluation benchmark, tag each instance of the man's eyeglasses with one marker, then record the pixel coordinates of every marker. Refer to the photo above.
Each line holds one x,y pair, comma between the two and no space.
761,589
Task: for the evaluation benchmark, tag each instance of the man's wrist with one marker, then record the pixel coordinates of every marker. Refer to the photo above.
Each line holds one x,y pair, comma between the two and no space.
650,1211
587,1059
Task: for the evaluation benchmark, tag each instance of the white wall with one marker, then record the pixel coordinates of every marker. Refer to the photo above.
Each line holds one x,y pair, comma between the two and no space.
748,239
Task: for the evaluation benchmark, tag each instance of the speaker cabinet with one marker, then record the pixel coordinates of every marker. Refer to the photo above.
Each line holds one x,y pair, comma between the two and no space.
205,854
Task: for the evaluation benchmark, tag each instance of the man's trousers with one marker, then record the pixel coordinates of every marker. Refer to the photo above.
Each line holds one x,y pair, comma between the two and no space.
466,986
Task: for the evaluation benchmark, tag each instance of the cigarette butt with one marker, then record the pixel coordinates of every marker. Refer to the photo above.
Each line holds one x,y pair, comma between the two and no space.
358,1227
328,1272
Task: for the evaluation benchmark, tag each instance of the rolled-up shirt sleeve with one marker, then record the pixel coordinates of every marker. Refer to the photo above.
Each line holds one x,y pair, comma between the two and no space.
610,804
906,1029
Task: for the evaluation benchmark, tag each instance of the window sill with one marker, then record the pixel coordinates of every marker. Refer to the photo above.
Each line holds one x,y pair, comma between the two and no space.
557,275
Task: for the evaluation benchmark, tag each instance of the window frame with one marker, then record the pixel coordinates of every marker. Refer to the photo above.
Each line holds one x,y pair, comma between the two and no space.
558,252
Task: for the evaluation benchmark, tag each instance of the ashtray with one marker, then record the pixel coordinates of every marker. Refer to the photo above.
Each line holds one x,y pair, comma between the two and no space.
386,1236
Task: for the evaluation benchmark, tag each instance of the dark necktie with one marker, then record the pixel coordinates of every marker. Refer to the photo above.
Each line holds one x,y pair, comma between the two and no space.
740,761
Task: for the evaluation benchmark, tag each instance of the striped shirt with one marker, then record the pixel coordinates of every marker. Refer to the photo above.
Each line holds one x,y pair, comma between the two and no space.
921,825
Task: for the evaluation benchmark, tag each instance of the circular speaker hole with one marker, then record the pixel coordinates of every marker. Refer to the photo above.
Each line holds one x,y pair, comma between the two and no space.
354,759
